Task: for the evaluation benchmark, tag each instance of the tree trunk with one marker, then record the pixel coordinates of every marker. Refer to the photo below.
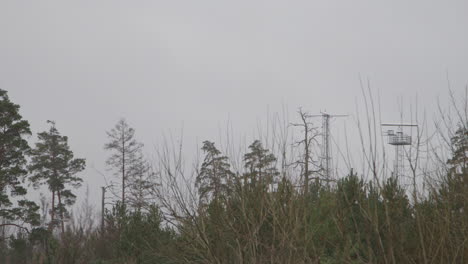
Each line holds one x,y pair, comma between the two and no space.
52,212
123,171
102,208
306,159
61,212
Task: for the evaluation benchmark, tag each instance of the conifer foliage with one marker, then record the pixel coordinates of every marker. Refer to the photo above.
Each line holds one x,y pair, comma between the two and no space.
459,145
247,216
125,153
260,165
137,179
53,164
13,150
215,175
141,184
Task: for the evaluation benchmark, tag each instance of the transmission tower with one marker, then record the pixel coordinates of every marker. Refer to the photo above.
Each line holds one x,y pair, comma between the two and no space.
398,139
326,154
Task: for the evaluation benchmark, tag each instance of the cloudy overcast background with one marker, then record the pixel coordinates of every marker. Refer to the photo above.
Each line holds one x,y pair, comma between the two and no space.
164,65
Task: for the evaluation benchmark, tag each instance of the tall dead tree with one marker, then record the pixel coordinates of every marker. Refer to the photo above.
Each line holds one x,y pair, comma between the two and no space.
310,133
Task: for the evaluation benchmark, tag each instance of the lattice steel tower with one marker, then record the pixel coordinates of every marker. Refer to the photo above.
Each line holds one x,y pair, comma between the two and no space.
398,139
326,153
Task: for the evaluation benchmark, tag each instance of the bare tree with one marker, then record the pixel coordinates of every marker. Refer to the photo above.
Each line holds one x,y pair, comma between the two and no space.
310,133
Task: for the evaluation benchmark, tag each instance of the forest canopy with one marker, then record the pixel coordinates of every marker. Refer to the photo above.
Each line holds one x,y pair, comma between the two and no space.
277,203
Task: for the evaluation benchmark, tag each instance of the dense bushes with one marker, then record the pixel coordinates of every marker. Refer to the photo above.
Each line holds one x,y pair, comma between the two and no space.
257,213
351,222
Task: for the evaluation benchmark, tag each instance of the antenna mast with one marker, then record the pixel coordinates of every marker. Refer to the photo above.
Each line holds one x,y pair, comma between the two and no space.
326,155
398,140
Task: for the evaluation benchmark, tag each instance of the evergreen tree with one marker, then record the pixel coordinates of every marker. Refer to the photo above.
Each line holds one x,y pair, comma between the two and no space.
398,219
454,189
13,148
54,165
260,165
141,184
459,145
215,174
452,196
351,196
136,236
129,164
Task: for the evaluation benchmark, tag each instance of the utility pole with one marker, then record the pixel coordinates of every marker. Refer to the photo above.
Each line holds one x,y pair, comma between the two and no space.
326,153
103,202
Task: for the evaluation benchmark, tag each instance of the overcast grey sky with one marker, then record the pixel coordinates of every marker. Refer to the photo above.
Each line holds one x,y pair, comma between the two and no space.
162,64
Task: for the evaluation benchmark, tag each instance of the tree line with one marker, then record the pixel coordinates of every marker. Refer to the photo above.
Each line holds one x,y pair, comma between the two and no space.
274,208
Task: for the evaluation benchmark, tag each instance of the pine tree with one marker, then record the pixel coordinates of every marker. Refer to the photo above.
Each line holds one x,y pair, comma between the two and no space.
454,188
260,164
453,192
215,174
13,149
459,145
126,154
53,164
141,184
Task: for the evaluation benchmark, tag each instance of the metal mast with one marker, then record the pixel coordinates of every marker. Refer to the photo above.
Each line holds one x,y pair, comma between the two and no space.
398,139
326,154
